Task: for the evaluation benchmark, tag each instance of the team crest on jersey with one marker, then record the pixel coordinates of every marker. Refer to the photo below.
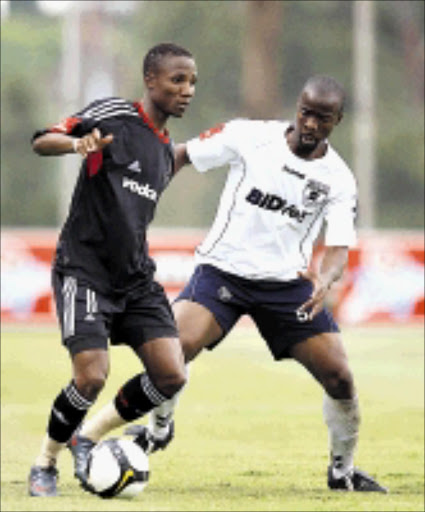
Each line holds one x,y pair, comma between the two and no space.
315,193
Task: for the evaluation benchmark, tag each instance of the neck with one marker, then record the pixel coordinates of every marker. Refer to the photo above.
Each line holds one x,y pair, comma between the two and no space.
157,116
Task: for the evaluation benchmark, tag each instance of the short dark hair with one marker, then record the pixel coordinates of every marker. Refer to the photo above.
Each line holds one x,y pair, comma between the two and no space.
156,53
325,84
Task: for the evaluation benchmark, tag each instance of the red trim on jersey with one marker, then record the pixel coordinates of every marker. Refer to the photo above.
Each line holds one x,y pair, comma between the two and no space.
94,162
212,131
164,135
65,126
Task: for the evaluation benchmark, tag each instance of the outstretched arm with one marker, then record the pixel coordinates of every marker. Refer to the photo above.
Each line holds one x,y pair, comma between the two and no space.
181,157
51,144
331,269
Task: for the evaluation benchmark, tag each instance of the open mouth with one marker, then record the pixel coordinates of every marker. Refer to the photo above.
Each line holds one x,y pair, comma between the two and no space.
308,138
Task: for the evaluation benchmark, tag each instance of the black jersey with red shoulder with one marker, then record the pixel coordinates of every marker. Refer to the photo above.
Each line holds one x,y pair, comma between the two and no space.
103,240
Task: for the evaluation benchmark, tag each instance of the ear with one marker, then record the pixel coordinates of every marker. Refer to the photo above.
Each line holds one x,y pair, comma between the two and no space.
150,80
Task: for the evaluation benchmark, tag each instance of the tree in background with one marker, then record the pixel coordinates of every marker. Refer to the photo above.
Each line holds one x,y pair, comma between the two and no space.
252,59
261,65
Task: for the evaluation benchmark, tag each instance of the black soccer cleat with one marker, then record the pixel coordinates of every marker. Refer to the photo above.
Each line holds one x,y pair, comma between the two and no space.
43,481
357,480
80,448
146,440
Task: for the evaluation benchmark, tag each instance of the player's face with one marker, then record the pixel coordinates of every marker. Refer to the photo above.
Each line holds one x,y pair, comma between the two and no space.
316,118
172,86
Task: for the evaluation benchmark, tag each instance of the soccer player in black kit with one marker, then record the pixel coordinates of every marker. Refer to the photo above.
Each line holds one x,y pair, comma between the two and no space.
103,277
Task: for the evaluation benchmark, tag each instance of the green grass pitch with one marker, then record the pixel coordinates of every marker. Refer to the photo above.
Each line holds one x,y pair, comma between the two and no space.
249,431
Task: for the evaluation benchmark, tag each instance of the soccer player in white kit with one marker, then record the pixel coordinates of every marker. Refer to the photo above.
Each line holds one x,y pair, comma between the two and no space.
285,182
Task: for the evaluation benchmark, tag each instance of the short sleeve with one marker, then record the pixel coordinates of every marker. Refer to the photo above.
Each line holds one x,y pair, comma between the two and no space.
78,124
73,125
213,148
340,217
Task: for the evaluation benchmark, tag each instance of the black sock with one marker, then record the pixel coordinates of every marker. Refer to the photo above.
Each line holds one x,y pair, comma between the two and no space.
68,411
137,397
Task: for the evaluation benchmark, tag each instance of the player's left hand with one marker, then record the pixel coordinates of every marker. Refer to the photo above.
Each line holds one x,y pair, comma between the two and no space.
316,301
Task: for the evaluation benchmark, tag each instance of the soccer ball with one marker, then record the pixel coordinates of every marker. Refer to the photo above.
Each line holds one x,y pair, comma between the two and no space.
117,467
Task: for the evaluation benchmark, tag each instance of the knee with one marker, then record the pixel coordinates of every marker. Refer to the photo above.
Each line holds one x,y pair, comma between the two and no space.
171,383
339,384
90,371
90,383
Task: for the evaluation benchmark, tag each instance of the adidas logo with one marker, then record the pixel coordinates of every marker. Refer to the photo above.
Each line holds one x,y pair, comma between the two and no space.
135,166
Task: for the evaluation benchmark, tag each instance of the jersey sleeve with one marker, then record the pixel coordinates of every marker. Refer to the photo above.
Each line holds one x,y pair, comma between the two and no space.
73,125
213,148
340,217
83,122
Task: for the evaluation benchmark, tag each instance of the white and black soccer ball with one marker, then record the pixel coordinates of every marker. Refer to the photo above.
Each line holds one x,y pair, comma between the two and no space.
117,467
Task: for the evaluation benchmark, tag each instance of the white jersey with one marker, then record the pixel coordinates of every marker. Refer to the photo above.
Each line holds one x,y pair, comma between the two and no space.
274,203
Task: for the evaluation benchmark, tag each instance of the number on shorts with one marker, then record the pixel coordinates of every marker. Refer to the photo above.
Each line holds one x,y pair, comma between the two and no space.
302,316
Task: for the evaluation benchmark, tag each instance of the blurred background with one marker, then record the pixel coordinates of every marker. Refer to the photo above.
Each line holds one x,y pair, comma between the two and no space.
253,58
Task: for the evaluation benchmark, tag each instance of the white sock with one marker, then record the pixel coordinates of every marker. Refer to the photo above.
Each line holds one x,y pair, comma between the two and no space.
160,417
102,422
343,419
49,452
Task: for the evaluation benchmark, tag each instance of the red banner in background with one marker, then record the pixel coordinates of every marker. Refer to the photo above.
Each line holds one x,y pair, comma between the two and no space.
384,280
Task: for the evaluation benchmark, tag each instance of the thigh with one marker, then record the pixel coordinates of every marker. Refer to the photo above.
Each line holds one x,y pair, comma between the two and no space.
147,315
276,315
324,356
83,314
161,357
321,355
208,308
197,327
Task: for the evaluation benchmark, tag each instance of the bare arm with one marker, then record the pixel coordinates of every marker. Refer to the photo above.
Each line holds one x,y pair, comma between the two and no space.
331,269
181,157
51,144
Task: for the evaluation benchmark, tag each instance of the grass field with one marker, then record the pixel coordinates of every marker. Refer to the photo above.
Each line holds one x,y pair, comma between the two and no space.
249,431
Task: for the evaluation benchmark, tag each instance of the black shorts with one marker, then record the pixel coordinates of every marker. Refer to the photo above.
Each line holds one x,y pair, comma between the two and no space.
272,305
88,319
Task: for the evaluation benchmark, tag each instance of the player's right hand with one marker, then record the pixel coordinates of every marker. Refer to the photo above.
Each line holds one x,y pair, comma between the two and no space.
92,142
315,303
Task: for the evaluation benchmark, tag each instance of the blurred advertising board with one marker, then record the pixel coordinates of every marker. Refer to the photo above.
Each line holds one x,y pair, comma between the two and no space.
384,280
